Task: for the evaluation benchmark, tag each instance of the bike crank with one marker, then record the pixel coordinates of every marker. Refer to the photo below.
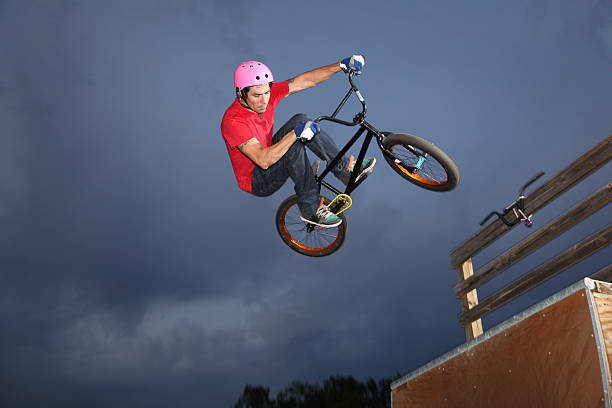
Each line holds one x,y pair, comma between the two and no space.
339,204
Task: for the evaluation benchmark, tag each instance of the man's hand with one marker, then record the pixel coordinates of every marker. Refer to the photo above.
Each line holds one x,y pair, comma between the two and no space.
354,63
305,131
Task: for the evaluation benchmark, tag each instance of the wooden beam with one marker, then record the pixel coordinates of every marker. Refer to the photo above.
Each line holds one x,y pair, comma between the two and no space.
596,157
604,274
536,240
540,274
469,300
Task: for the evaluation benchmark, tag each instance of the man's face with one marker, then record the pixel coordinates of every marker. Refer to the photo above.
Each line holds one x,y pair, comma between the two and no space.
258,97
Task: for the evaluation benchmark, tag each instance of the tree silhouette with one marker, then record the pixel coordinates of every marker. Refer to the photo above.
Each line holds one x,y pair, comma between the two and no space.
255,397
336,392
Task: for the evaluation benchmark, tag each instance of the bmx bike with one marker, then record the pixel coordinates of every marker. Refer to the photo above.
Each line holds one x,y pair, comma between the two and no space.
415,159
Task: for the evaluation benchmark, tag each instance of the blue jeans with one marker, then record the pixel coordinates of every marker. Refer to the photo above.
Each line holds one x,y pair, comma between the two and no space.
295,165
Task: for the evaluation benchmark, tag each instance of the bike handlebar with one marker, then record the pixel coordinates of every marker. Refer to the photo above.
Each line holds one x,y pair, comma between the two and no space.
530,182
359,117
517,206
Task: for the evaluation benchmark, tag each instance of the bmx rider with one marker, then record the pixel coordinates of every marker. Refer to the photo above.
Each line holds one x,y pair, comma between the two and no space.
263,162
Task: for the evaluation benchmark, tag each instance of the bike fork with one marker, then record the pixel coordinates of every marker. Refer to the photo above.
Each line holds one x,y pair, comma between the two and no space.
412,169
422,159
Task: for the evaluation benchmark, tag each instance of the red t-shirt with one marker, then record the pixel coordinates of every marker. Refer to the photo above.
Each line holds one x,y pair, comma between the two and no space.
239,125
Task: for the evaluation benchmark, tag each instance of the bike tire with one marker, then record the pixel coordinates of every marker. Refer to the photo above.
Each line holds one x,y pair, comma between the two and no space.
439,172
293,231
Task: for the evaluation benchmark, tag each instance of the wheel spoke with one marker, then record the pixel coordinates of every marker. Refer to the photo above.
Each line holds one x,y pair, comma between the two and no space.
328,234
431,170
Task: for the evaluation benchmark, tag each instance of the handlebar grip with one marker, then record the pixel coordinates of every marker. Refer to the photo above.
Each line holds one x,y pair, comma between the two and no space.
492,213
531,181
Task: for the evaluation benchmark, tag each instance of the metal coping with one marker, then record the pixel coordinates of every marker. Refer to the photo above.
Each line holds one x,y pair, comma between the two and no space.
583,284
601,347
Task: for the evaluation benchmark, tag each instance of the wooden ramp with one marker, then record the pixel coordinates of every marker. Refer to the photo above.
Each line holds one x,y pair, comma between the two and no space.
554,354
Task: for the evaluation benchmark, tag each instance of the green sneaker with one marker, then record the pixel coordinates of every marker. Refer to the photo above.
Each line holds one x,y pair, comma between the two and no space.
367,166
323,218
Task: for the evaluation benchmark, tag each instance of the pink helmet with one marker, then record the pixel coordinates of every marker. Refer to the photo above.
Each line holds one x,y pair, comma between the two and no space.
251,73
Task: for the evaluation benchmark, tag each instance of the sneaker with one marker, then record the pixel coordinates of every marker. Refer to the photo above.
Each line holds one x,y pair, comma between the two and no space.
323,218
367,166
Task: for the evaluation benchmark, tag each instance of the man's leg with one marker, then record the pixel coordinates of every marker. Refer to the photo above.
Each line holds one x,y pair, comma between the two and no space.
306,188
325,149
321,145
295,165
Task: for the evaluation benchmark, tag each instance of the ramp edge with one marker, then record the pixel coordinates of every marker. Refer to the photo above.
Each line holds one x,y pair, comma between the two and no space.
599,339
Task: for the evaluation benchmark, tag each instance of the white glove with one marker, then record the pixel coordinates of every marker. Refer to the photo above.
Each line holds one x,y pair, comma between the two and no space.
305,131
354,64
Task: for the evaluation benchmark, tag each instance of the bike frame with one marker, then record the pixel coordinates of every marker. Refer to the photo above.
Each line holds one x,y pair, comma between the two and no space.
364,126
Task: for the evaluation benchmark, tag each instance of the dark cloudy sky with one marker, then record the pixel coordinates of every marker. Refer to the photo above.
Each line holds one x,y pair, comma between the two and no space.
134,272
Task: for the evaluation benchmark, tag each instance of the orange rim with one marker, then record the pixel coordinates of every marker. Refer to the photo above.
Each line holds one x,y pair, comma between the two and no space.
417,177
299,244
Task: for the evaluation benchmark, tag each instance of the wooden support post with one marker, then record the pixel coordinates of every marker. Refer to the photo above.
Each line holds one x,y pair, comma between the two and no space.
461,257
469,300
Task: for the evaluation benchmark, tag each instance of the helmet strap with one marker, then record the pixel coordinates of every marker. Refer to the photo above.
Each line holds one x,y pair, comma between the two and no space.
241,95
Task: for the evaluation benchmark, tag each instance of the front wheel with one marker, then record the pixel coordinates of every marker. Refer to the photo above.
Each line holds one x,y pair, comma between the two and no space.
306,238
421,162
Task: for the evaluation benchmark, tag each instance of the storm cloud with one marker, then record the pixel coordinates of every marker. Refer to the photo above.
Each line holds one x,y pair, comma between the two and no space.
134,271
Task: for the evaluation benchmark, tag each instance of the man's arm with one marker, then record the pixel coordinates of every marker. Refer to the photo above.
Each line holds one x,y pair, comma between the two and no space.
265,157
312,78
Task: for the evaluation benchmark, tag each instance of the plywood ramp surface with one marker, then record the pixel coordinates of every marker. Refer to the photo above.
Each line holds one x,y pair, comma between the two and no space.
603,302
548,359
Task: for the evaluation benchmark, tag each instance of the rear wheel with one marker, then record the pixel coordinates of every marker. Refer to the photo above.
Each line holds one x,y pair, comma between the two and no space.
306,238
421,162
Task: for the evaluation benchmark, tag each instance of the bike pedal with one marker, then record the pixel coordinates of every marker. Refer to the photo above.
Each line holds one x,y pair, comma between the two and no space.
345,202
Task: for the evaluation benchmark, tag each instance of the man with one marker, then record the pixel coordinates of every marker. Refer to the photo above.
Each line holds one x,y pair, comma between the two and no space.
263,162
